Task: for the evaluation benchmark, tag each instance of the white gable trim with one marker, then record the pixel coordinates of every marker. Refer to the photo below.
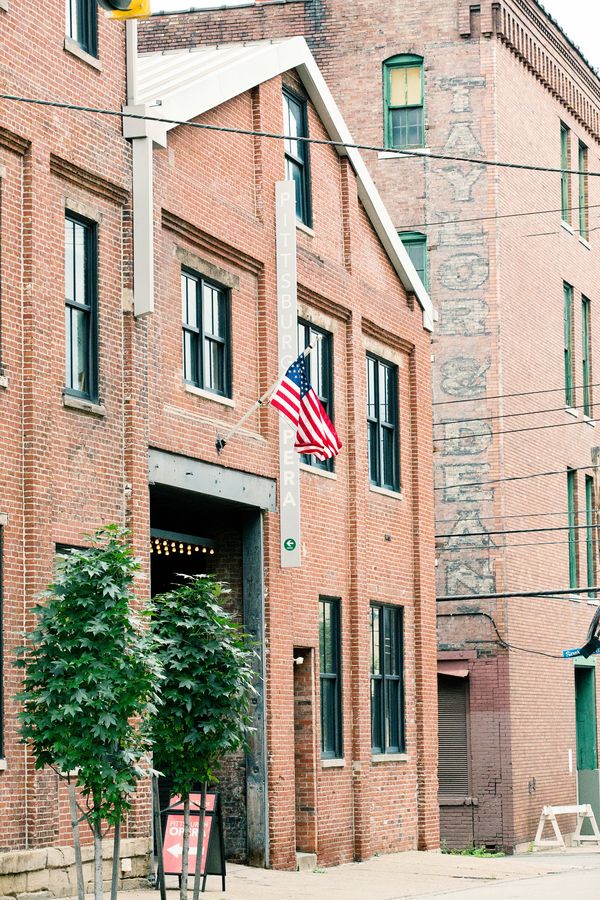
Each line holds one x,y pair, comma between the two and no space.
181,86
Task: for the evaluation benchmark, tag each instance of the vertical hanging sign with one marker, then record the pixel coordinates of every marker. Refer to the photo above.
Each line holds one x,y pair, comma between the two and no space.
287,329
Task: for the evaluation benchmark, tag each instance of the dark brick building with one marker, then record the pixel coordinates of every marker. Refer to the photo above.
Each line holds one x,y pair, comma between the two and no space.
511,260
110,412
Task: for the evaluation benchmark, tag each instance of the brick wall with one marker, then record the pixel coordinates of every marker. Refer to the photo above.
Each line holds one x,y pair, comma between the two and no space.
70,471
497,285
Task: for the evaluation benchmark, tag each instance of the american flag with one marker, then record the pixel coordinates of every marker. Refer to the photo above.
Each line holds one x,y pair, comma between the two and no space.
297,400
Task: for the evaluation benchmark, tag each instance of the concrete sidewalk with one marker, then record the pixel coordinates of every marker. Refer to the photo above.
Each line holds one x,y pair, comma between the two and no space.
413,874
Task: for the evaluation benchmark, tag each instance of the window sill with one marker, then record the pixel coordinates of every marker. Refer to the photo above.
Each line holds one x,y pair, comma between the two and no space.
589,421
81,405
3,763
208,395
75,49
401,154
3,381
458,801
333,763
585,243
572,412
389,757
386,492
574,598
315,470
305,228
4,6
567,227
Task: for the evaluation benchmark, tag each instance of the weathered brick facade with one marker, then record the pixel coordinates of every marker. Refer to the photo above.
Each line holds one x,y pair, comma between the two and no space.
499,78
68,468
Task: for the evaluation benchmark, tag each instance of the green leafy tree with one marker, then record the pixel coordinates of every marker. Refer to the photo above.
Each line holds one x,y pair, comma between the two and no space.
90,677
208,675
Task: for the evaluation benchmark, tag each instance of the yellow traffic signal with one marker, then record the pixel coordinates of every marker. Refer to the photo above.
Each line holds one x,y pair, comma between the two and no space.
126,9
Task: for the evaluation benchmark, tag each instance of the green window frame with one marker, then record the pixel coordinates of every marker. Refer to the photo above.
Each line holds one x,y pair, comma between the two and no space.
582,166
330,659
82,24
81,307
565,205
586,356
320,370
382,423
416,247
403,93
206,334
387,681
572,524
297,160
590,558
568,345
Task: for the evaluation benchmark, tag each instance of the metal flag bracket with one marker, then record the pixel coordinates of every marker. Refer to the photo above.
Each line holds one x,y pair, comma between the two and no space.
221,442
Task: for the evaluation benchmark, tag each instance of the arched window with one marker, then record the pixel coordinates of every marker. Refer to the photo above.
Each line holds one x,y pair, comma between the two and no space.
404,124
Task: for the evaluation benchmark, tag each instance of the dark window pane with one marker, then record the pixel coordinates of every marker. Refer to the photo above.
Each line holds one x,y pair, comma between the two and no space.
382,424
392,741
376,714
80,311
296,153
329,646
328,711
320,368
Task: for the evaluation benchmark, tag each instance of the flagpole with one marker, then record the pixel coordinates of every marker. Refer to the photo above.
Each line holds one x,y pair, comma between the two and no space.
222,441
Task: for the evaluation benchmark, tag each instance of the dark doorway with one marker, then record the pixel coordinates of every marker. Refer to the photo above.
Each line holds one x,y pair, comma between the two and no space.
192,534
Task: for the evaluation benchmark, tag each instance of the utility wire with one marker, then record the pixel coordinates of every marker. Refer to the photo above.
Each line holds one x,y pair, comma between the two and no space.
492,546
575,387
503,643
250,132
529,412
520,515
538,212
553,594
491,434
511,531
461,484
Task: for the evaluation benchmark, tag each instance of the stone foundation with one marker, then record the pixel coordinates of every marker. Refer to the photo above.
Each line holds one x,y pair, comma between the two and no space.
49,873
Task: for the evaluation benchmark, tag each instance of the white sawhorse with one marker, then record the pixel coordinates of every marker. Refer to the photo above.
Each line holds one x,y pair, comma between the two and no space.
549,814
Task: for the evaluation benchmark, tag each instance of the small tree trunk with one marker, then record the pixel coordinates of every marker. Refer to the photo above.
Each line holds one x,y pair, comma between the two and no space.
200,848
114,884
185,849
76,841
158,838
98,894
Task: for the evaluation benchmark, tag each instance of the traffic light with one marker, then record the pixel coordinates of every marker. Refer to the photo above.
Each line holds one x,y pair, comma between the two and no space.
126,9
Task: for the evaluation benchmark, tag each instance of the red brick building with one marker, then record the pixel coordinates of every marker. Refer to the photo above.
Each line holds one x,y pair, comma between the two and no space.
113,396
512,263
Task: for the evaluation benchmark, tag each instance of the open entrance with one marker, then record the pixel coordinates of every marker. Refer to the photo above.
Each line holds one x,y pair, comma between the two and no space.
208,519
588,776
192,535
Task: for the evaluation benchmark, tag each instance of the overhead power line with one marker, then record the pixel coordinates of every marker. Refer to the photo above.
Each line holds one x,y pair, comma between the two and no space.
529,412
474,434
502,641
503,547
250,132
445,487
576,387
515,215
511,531
519,515
515,595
